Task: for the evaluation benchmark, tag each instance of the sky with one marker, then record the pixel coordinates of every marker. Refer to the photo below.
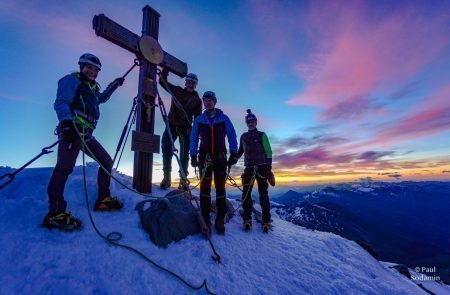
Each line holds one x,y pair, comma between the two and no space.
344,89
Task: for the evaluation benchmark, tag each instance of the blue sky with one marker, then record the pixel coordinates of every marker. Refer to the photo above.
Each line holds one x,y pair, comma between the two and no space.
343,91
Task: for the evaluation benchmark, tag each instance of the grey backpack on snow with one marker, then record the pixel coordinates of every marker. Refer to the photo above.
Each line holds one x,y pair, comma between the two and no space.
169,219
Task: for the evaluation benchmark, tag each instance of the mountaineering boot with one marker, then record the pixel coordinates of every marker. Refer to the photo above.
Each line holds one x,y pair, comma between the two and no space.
247,225
108,204
266,227
165,183
184,185
220,226
62,221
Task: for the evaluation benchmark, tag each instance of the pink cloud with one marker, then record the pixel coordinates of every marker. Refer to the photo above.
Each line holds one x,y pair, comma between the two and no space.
313,157
431,117
358,55
420,124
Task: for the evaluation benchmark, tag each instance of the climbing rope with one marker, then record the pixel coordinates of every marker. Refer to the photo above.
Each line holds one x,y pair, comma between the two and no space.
231,181
111,175
114,237
250,185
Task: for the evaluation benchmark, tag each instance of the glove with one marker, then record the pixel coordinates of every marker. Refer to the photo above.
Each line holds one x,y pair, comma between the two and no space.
119,81
164,74
194,161
232,159
270,176
68,131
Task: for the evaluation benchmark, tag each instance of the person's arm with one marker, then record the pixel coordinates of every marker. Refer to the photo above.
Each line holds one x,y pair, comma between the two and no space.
198,109
194,139
67,89
231,135
106,95
165,84
241,148
267,149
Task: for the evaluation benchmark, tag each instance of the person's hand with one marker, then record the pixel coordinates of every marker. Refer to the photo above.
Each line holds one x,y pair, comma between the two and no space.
68,131
164,74
270,176
119,81
194,161
232,159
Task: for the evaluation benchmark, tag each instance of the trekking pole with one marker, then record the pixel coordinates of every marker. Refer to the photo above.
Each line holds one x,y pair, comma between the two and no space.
12,176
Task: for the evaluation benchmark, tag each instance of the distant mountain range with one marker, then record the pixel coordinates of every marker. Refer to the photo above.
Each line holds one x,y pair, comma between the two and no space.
405,222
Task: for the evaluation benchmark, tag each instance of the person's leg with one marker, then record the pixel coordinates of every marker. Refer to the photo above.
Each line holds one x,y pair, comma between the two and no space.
247,202
184,150
67,156
166,147
205,189
220,175
99,154
264,198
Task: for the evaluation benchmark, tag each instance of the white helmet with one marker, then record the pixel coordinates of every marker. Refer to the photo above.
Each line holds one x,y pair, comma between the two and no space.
192,77
91,59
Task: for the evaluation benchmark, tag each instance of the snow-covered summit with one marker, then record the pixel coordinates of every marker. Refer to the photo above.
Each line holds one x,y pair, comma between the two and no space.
288,260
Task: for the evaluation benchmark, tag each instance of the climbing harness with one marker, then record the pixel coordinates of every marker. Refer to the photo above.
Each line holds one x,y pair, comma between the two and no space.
84,120
12,175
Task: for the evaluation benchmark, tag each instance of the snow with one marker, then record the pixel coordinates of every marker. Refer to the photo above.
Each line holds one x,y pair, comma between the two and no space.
427,281
288,260
331,194
365,189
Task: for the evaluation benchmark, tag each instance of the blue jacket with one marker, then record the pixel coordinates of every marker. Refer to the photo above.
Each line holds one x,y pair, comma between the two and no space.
212,132
75,92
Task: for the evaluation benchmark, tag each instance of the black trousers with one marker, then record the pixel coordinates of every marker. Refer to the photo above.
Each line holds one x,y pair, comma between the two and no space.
216,165
67,157
166,147
261,179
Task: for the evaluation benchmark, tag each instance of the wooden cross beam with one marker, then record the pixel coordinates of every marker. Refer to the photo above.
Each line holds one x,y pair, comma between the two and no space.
144,141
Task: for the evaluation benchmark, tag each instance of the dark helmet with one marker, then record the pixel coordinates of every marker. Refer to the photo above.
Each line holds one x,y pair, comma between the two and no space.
250,116
210,94
91,59
192,77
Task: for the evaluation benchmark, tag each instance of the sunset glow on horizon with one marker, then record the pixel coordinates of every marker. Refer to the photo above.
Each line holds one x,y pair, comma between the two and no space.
344,89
